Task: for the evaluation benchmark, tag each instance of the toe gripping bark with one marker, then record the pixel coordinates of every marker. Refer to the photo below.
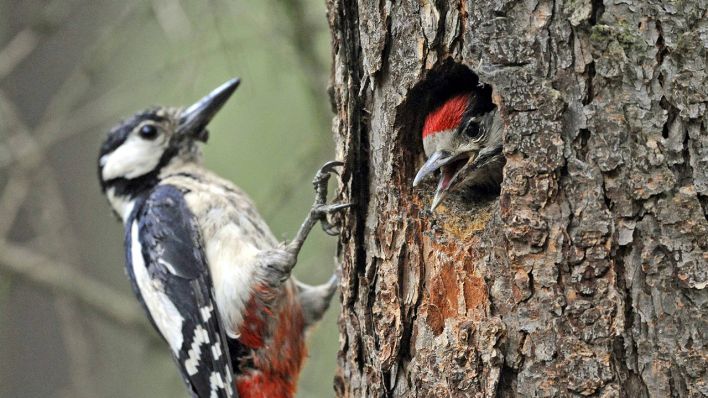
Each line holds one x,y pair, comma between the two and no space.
279,262
320,209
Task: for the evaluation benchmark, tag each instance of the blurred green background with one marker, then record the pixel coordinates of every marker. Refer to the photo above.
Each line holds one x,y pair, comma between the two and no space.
71,69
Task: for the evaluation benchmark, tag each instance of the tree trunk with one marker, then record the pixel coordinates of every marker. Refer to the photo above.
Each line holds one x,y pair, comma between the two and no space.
587,275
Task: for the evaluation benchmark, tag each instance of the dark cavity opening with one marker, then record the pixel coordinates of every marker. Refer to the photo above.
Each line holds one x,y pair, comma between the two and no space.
448,80
442,82
439,84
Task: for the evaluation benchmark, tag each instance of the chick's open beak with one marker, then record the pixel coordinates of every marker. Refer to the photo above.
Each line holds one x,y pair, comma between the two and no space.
450,166
434,162
194,119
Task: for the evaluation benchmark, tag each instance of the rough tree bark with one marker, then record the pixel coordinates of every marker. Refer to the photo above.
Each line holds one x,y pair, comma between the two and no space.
587,275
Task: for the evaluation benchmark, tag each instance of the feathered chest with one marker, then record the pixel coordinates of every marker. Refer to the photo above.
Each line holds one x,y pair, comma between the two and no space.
233,235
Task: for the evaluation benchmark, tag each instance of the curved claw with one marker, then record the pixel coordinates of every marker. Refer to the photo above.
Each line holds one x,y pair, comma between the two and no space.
324,172
322,177
320,209
333,208
330,166
329,228
324,210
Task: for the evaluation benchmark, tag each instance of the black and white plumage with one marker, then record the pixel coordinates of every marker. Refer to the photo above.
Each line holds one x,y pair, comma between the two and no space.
212,278
168,270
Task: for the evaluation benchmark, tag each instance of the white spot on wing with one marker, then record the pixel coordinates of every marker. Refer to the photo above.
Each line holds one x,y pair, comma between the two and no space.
195,352
216,383
216,350
206,312
168,266
162,309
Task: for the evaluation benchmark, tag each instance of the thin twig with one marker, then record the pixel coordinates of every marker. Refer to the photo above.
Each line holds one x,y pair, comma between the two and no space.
299,33
78,347
11,200
17,50
63,278
45,271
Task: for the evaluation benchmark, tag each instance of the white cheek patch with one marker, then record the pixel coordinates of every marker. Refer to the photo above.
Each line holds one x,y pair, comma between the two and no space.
136,157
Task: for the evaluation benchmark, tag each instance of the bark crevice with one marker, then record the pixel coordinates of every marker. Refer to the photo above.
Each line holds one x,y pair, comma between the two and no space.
585,276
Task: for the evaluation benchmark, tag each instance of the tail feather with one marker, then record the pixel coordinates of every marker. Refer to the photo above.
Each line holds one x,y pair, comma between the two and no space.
315,299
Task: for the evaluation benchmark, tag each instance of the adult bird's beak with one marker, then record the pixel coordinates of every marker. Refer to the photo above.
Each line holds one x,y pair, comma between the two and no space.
450,165
193,120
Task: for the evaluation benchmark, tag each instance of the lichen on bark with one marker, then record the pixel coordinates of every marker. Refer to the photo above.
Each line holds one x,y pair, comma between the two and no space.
587,275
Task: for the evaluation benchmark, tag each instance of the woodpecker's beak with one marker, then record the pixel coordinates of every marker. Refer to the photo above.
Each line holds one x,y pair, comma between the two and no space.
450,166
193,120
434,162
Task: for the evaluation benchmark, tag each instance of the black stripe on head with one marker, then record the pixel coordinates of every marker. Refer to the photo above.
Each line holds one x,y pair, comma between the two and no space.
118,134
486,156
133,187
480,102
116,137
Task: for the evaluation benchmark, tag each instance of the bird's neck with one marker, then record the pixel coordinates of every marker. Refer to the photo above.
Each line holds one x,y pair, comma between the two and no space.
122,205
123,193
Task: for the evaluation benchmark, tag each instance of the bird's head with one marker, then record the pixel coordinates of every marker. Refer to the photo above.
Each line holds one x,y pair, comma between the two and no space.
460,137
137,149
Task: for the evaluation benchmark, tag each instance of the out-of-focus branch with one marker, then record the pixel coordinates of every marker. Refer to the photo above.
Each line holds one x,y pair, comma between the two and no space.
17,50
24,42
78,348
300,30
172,19
63,278
40,269
11,199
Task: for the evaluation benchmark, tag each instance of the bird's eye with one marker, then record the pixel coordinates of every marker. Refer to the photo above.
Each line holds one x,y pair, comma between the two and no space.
149,132
471,130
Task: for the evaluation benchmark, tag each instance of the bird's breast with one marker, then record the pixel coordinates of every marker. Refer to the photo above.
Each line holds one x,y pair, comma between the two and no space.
232,234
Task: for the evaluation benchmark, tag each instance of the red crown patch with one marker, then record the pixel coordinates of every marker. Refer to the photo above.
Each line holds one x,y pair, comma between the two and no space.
447,116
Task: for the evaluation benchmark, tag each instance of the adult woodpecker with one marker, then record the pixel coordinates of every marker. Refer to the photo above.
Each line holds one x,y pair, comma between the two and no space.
463,139
203,263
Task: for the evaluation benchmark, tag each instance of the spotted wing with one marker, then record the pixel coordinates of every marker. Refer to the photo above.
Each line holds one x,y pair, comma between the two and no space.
169,272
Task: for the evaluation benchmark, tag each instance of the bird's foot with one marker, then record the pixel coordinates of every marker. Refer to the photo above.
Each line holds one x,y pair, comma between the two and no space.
320,209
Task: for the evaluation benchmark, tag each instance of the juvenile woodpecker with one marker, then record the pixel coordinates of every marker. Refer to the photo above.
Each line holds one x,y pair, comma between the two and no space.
463,139
213,279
